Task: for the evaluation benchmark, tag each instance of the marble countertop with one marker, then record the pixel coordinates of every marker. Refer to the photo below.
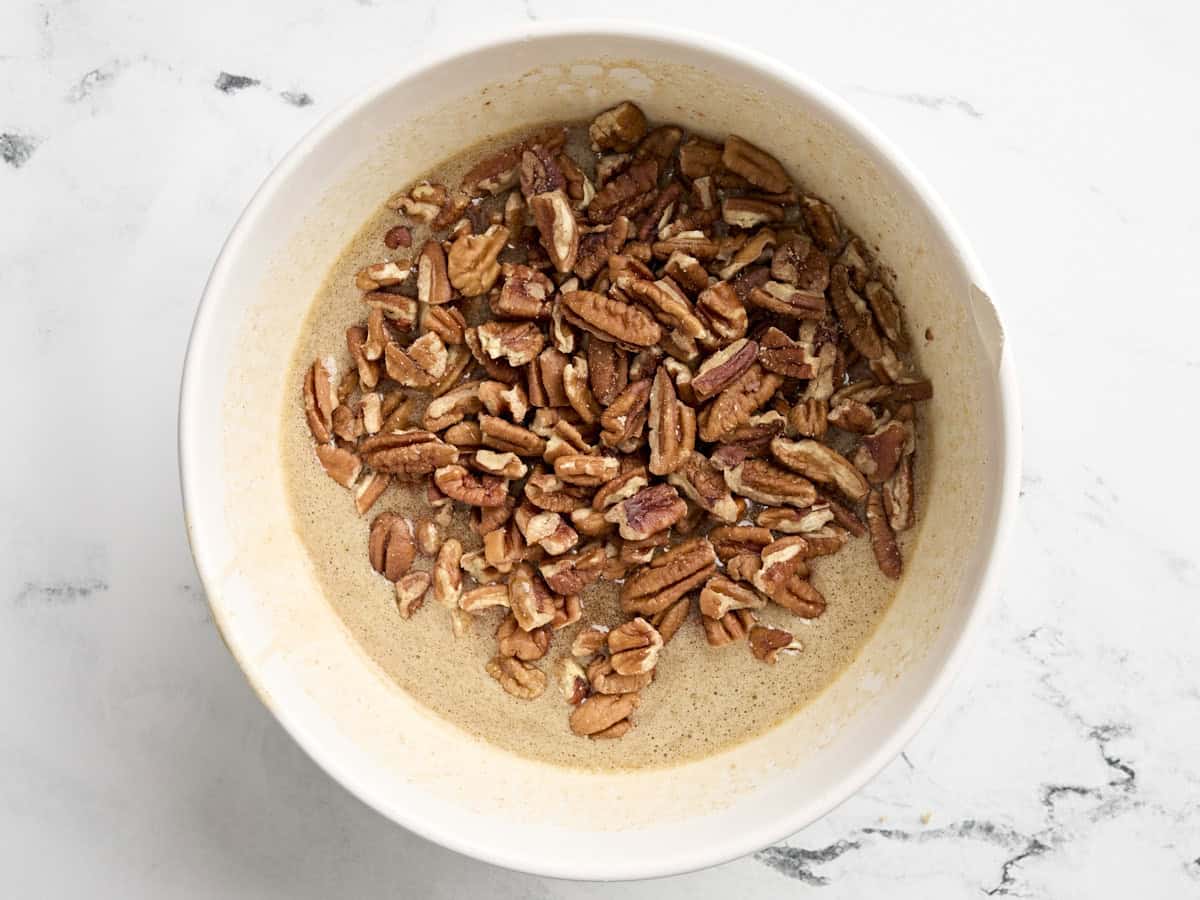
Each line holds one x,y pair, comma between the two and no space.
135,760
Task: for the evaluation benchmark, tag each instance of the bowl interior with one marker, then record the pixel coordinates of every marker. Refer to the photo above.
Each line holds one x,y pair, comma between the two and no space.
299,656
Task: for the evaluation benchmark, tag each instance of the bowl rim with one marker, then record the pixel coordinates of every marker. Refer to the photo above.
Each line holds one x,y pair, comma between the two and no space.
686,858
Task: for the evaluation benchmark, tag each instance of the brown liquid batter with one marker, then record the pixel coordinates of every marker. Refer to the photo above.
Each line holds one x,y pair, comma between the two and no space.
703,699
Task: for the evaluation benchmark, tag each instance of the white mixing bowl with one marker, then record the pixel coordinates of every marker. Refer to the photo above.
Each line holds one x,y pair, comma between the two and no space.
365,731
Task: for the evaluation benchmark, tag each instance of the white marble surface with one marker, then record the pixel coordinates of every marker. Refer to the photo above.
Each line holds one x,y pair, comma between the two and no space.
135,761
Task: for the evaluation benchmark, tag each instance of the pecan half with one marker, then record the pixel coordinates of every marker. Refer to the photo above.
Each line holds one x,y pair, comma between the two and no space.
779,353
649,511
407,452
767,643
625,195
734,405
410,593
722,368
472,267
797,595
822,222
601,713
854,315
624,324
735,540
401,311
531,601
572,573
447,574
670,620
799,263
507,437
796,521
605,680
626,416
522,680
763,482
822,464
808,418
618,129
883,539
668,303
755,165
512,640
723,311
320,398
390,546
608,370
721,596
704,484
634,647
672,426
880,451
586,469
555,221
783,299
728,629
457,482
669,576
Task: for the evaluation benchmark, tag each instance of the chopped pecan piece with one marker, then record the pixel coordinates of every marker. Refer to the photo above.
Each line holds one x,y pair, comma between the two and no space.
407,452
604,679
659,144
457,360
797,595
649,511
501,399
723,311
555,221
320,398
744,212
883,539
852,415
767,643
898,496
622,487
452,407
383,274
687,272
880,452
600,714
540,172
433,283
625,195
369,489
487,596
618,129
743,567
546,491
472,267
729,629
445,321
755,165
796,521
669,576
608,370
390,546
586,469
722,368
822,464
590,641
721,596
517,343
522,680
734,540
668,303
734,405
410,593
579,393
530,599
572,680
457,482
797,262
447,574
783,299
401,311
694,243
514,641
854,315
503,547
625,324
502,465
548,530
763,482
626,416
703,483
808,418
822,222
502,435
570,574
670,620
524,294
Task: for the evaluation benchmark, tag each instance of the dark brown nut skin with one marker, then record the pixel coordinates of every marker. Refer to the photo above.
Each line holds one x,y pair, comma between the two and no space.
755,165
672,426
407,453
734,540
669,576
703,483
459,483
608,370
618,129
765,643
883,539
729,629
648,512
854,314
572,573
624,324
512,640
722,368
734,405
625,195
626,416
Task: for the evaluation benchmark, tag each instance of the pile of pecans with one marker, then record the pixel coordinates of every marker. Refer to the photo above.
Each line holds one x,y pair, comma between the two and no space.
662,365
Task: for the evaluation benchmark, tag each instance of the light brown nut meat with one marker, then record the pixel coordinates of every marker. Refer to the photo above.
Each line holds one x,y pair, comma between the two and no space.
734,405
670,620
604,679
550,531
618,129
734,540
694,243
887,313
822,464
722,368
755,165
620,488
433,282
666,301
669,576
517,343
898,496
627,194
634,647
429,536
445,321
590,641
410,593
758,431
649,511
781,560
453,406
504,547
545,491
382,274
600,713
567,611
369,489
472,266
501,399
748,253
796,521
687,272
522,680
721,596
579,392
729,629
399,310
852,415
411,452
625,324
483,490
703,483
590,523
640,552
551,364
390,546
571,680
672,427
477,566
783,299
423,203
723,311
767,643
340,465
502,435
743,567
808,418
881,451
512,640
883,539
524,295
503,465
745,212
540,172
797,595
764,482
320,398
458,358
487,596
585,469
699,158
625,418
447,574
854,315
556,223
368,370
530,600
